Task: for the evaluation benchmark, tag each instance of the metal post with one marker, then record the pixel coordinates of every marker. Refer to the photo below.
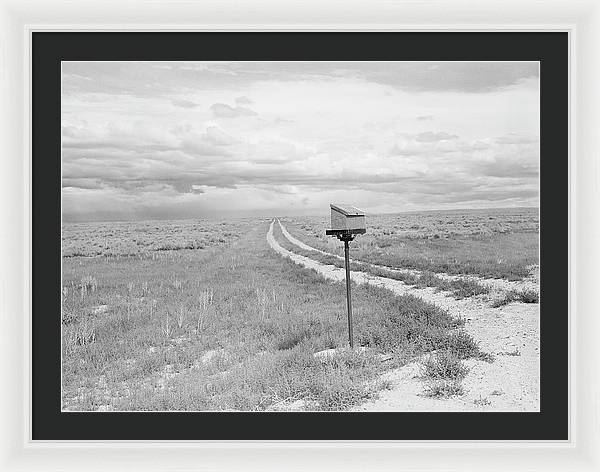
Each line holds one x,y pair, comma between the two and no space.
348,296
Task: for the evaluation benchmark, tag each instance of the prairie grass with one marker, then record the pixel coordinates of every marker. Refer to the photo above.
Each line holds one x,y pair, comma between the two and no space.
444,389
443,374
145,238
528,296
524,296
460,288
232,326
444,365
488,243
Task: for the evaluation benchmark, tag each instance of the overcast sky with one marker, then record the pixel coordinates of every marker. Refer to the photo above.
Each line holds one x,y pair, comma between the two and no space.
192,139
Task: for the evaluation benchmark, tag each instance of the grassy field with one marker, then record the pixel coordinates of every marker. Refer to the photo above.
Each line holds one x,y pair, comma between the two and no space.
145,238
461,288
205,316
489,243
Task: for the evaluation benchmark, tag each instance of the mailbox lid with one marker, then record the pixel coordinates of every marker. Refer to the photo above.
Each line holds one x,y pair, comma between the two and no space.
346,217
346,210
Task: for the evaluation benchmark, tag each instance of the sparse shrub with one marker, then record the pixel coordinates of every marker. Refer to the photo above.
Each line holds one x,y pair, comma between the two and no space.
444,389
444,371
525,296
461,344
444,365
505,300
464,288
482,401
529,296
336,389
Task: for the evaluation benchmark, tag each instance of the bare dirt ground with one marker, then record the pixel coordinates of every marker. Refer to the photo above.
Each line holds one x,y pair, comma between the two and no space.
510,333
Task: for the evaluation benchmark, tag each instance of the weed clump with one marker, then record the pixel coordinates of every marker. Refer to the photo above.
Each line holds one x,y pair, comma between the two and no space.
524,296
529,296
482,401
444,365
444,373
408,324
444,389
461,344
336,389
464,288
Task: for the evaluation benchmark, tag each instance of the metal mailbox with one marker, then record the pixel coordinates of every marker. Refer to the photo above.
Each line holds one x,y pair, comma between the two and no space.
347,218
346,222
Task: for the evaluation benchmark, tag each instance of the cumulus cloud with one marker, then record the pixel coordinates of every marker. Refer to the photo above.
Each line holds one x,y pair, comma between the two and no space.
424,117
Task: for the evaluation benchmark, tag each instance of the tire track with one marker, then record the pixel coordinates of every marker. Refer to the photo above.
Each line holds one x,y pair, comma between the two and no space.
497,285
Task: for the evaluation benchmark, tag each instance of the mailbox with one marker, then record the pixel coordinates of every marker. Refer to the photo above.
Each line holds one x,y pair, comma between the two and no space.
346,222
347,218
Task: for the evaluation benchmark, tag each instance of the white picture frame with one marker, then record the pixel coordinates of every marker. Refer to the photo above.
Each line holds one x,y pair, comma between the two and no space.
581,18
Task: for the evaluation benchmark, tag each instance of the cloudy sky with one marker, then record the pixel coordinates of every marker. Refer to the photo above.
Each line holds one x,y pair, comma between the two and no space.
146,140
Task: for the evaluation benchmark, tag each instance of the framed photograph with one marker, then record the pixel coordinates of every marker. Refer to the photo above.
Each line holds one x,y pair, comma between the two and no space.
286,238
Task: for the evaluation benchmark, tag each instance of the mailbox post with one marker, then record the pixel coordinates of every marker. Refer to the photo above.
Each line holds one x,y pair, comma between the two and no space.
346,222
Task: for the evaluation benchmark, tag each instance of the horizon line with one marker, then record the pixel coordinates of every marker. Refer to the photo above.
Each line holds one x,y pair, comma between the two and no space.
280,215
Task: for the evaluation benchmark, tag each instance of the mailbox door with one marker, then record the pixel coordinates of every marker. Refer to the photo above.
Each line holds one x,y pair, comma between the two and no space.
338,221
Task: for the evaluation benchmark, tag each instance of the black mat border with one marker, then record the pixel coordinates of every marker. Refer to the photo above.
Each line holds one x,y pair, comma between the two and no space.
49,48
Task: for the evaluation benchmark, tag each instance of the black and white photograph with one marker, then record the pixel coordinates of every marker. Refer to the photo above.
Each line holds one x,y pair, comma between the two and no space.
300,236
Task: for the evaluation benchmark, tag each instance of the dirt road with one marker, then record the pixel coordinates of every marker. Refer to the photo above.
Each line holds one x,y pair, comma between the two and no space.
497,285
510,333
